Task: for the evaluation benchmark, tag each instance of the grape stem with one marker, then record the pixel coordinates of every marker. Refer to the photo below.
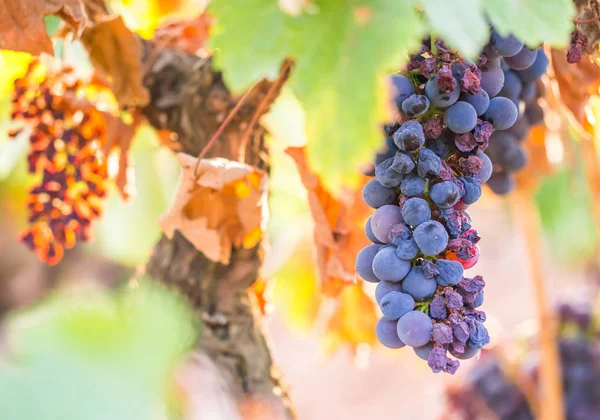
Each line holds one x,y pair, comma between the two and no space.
551,393
583,22
433,47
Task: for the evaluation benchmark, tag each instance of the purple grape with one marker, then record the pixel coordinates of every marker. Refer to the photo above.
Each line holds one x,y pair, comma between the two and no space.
386,176
486,167
416,211
401,88
441,99
461,117
512,85
440,146
479,101
406,249
501,183
364,262
385,287
415,105
529,91
387,334
423,351
479,297
388,267
472,189
414,329
492,81
417,285
431,238
490,53
469,352
451,272
537,69
520,128
395,304
534,113
369,232
412,185
445,194
403,163
502,113
376,195
505,46
409,137
522,60
428,164
382,221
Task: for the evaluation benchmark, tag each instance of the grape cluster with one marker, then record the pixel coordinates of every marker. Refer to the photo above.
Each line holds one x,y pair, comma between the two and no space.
423,238
511,70
490,388
66,142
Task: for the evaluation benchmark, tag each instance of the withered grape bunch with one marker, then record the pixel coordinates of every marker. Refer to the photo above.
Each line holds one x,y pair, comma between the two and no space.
66,151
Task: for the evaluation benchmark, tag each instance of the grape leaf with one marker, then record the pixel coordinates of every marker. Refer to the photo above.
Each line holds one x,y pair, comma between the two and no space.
460,23
533,21
22,26
341,54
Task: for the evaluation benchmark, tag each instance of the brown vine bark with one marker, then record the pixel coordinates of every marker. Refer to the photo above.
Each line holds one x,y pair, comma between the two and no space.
189,98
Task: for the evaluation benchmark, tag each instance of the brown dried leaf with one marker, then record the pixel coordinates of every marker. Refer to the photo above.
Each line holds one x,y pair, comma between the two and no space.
339,227
353,321
116,51
224,206
22,25
188,35
576,81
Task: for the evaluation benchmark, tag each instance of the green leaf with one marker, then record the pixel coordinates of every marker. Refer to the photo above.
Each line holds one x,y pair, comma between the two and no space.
533,21
460,23
341,52
95,356
52,24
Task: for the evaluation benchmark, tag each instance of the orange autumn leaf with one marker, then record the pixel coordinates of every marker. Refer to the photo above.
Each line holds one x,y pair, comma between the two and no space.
223,206
22,26
577,82
106,41
353,321
339,227
187,35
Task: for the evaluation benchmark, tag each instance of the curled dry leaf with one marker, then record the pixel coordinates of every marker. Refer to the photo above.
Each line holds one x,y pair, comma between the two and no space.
224,206
339,227
187,35
106,41
577,82
22,25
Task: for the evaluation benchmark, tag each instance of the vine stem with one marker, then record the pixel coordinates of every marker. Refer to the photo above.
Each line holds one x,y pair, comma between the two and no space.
432,42
222,127
582,22
550,385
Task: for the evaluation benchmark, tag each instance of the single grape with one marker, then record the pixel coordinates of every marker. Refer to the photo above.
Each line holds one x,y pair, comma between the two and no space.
490,63
502,113
388,267
385,287
417,285
431,238
403,163
423,351
459,67
451,272
505,46
534,113
515,160
501,144
479,297
415,105
441,146
382,221
412,185
486,167
387,334
522,60
469,352
445,194
364,262
465,263
369,232
416,211
376,195
409,137
492,81
480,101
395,304
520,128
386,176
401,88
512,85
461,117
490,53
406,249
472,189
428,164
414,329
438,98
529,91
537,69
